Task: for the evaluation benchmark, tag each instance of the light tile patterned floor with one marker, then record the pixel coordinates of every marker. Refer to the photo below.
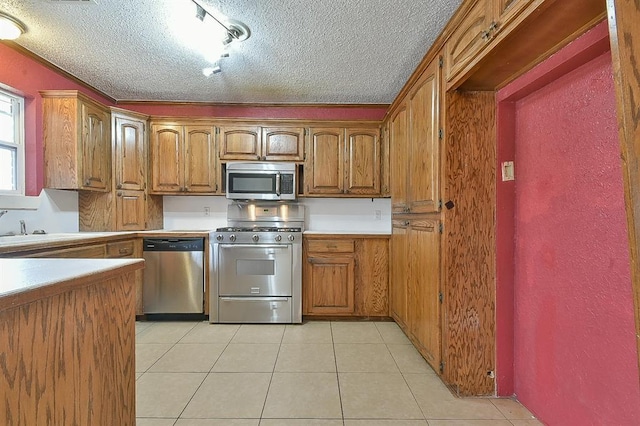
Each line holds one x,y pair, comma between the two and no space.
315,374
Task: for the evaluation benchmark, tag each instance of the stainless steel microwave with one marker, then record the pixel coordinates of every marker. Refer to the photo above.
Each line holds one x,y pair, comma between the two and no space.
261,181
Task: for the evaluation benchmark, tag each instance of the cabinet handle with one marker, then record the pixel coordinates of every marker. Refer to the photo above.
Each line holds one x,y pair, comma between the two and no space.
406,223
119,193
257,157
485,35
87,182
494,26
123,251
119,186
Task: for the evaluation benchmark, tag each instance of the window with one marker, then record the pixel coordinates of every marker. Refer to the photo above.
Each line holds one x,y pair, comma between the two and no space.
11,144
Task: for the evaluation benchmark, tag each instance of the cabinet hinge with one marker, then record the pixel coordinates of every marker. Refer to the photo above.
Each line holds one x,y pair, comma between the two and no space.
440,297
217,130
441,367
306,132
145,197
441,227
439,204
441,133
216,187
441,61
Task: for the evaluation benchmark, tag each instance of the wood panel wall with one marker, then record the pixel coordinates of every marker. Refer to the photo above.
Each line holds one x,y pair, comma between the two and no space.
68,359
624,16
469,243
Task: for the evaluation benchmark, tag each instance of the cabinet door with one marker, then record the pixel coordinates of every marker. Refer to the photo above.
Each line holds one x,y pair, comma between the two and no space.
283,143
200,159
399,272
507,10
325,161
424,288
372,277
424,127
363,161
240,143
167,171
468,39
130,153
399,135
330,285
130,210
96,152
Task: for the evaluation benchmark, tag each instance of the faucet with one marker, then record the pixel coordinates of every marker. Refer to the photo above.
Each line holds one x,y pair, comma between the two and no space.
23,228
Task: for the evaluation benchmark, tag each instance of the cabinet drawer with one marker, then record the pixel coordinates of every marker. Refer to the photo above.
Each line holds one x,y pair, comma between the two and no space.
91,252
330,246
121,249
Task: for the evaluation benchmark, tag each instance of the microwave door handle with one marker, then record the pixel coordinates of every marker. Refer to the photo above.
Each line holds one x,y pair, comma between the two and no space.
278,184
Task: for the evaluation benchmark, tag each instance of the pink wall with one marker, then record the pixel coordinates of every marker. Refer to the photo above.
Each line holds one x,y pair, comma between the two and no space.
29,76
574,358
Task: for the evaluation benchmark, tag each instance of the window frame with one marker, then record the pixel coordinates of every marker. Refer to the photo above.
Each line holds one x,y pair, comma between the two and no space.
17,103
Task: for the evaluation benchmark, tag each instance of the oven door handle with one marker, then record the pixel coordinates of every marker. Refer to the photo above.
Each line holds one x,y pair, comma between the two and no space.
278,179
261,246
256,299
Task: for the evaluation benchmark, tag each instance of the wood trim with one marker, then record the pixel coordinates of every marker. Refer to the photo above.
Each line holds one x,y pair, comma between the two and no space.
248,105
39,59
624,16
262,122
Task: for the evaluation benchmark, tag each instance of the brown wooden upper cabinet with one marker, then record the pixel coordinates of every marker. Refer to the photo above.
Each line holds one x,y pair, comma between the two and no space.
415,145
130,154
343,161
183,159
77,142
484,21
244,142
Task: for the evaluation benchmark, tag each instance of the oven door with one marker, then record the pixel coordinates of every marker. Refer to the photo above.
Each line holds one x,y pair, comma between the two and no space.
254,270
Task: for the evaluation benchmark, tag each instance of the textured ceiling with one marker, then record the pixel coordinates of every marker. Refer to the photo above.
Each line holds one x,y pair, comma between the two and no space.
300,51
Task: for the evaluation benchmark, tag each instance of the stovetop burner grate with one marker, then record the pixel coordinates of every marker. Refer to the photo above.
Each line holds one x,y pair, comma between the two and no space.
257,229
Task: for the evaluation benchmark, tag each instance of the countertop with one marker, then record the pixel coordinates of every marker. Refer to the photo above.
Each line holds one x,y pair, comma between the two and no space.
25,280
17,243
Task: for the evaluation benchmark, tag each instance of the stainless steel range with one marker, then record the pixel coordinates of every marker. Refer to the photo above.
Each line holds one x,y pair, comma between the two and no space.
256,265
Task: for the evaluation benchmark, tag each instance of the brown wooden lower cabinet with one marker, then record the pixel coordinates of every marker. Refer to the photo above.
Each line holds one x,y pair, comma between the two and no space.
415,284
68,357
345,276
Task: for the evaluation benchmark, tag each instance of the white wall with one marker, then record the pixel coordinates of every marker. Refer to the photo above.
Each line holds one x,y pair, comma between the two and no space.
322,214
57,212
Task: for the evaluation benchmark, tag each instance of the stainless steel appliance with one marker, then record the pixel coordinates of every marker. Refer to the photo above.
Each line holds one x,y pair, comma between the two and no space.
261,181
256,264
173,276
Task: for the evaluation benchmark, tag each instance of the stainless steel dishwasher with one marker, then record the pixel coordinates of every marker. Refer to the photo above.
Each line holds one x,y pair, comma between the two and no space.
173,276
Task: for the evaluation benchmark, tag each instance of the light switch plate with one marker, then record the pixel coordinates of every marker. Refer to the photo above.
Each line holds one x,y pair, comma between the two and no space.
507,171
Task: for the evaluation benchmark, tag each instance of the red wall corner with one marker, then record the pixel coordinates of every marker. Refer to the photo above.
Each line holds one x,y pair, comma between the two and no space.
574,357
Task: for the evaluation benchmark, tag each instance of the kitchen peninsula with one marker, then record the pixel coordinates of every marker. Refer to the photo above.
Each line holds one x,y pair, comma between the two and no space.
67,329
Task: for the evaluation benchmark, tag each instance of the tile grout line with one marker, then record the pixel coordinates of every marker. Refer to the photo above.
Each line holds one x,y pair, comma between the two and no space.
266,395
335,361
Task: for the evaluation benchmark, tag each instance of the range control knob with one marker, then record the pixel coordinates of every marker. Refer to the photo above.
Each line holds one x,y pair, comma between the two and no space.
219,237
278,238
255,237
291,238
232,237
